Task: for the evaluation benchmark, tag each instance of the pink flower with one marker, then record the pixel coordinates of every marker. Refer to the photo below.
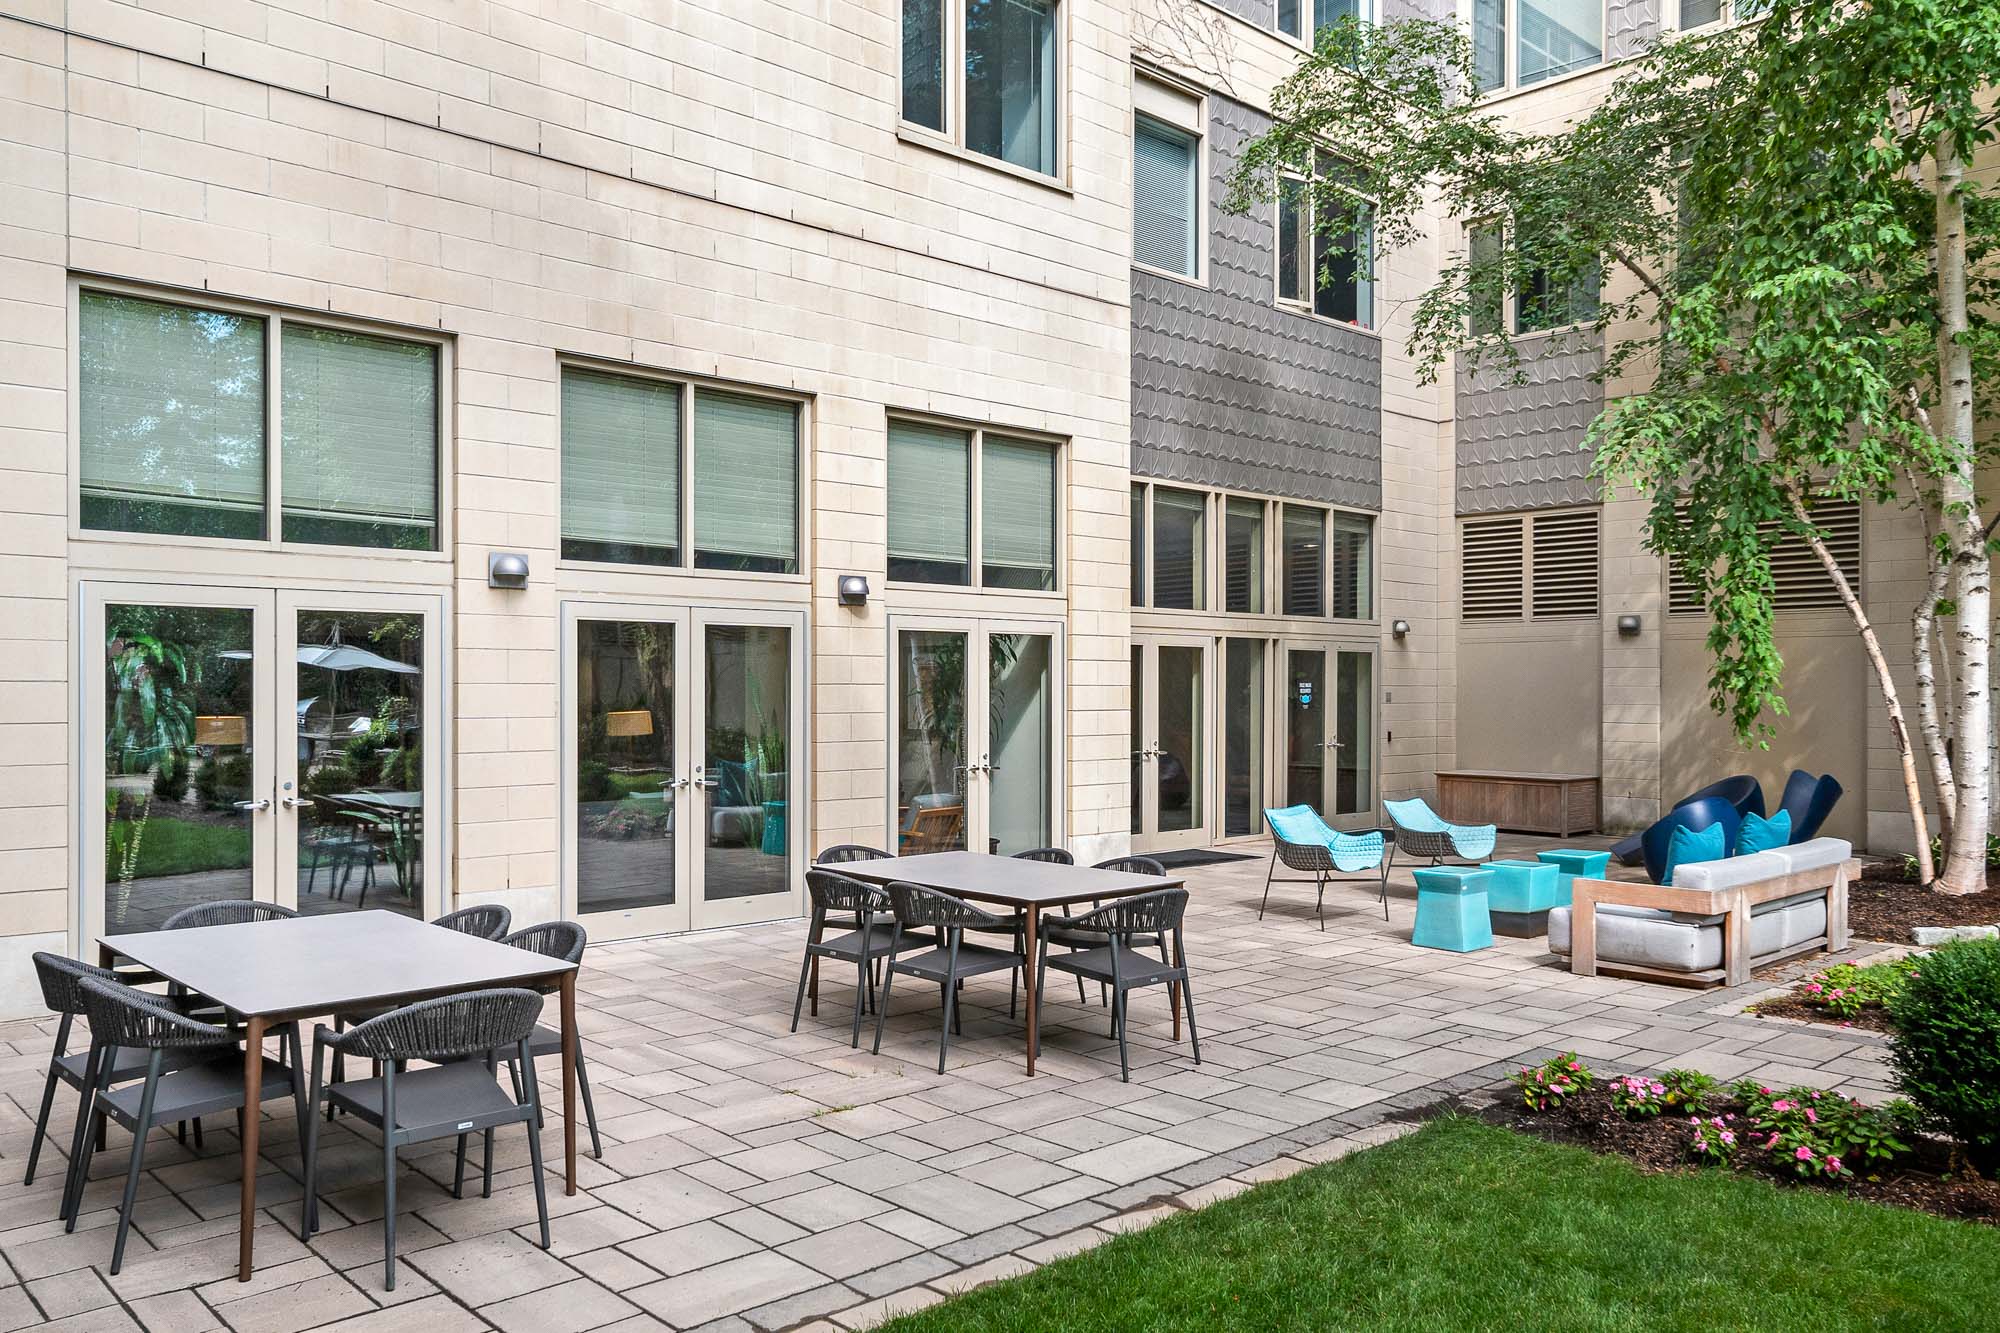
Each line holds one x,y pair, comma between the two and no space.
1812,1116
1804,1154
1576,1064
1833,1166
1728,1137
1765,1091
1773,1143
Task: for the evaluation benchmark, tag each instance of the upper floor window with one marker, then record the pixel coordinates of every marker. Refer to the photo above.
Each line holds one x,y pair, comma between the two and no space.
1180,549
1702,13
629,440
954,491
1549,38
1540,302
1003,102
1331,274
1166,197
1324,13
1281,557
176,408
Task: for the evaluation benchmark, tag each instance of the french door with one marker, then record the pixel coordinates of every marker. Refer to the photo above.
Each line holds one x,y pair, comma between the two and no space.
250,743
977,741
684,775
1170,742
1328,703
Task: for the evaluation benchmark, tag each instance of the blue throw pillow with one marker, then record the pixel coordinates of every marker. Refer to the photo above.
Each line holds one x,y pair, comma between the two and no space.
1691,846
1759,834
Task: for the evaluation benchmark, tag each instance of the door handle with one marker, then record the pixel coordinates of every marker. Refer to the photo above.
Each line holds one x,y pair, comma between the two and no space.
296,802
255,807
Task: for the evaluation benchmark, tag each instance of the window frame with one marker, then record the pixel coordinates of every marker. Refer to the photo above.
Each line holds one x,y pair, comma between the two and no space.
275,317
1509,56
689,385
1215,560
1509,312
1307,305
1732,16
975,502
1364,9
1180,108
951,138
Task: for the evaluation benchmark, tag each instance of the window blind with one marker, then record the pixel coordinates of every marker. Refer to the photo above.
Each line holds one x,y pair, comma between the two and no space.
171,403
360,426
1179,549
746,482
1304,531
1017,514
1163,198
930,488
1353,573
621,460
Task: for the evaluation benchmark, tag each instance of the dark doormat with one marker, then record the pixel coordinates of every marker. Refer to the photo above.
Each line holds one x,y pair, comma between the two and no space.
1199,857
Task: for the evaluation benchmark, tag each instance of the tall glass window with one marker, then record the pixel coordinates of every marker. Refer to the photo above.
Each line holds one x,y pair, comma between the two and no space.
930,503
1353,566
1555,37
171,409
360,439
1165,195
1138,558
923,62
1179,549
746,483
1010,81
1544,303
1484,279
1242,737
1243,556
621,468
1017,511
1332,272
1305,561
1489,44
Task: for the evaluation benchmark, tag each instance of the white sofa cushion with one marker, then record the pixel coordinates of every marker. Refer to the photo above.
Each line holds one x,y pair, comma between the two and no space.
1645,937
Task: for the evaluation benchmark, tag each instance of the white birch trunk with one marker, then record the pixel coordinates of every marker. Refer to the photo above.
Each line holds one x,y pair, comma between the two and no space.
1932,721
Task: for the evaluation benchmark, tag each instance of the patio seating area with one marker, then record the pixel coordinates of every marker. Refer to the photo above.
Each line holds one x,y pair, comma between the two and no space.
756,1177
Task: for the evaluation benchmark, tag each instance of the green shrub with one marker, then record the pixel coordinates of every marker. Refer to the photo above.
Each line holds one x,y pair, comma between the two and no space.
330,780
593,782
1845,989
1946,1048
207,783
170,779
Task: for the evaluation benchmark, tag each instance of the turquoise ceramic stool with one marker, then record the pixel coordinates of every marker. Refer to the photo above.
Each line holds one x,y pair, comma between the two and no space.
1521,894
1451,909
1571,862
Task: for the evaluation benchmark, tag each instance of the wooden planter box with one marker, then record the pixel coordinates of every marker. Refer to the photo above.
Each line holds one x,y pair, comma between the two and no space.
1557,803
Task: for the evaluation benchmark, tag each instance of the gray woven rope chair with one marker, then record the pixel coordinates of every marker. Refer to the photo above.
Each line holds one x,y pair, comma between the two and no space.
226,912
62,991
455,1098
1119,966
836,855
564,940
1052,855
947,959
837,900
122,1018
1091,939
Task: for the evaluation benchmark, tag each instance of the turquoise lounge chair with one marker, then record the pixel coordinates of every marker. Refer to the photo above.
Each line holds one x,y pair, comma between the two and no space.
1419,832
1302,840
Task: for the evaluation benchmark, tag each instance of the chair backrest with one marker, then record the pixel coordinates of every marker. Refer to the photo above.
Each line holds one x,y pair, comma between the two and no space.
1132,865
1742,791
916,905
1298,824
1809,800
1657,841
930,800
1415,815
226,912
551,939
834,892
122,1016
447,1028
842,853
1144,913
1055,856
488,921
62,978
936,829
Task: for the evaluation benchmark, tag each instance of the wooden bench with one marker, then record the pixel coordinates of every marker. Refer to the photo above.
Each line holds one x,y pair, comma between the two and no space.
1559,803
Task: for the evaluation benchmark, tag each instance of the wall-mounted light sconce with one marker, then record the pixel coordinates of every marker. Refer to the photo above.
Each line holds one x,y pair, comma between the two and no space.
1399,628
852,590
1628,626
506,569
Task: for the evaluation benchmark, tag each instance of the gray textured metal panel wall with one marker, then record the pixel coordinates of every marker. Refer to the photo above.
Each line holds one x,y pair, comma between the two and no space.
1395,11
1630,26
1228,389
1263,13
1520,446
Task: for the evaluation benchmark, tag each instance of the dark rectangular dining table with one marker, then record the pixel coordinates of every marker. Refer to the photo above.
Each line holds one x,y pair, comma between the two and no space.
1006,881
273,972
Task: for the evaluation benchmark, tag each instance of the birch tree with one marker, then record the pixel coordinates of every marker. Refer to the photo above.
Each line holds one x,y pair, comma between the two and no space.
1800,261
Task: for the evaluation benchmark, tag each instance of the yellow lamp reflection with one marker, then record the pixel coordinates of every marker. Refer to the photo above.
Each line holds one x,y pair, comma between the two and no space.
629,722
223,730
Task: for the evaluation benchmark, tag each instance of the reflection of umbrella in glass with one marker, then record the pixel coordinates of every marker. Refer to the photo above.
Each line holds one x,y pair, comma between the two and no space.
337,657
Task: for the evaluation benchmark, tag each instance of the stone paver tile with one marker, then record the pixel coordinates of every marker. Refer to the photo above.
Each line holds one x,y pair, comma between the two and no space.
903,1273
852,1248
1133,1158
993,1270
571,1307
765,1228
17,1311
687,1248
70,1293
908,1225
1138,1219
809,1304
1059,1247
489,1268
827,1206
304,1305
667,1199
177,1312
1213,1192
432,1314
613,1268
884,1308
725,1288
958,1203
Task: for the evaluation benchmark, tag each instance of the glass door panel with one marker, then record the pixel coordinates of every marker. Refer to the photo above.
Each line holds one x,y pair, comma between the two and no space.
1180,747
627,771
1306,735
932,766
1243,738
1019,758
1354,729
746,740
185,781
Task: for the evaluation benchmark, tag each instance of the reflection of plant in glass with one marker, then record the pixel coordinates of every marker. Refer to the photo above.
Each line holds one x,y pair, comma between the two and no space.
149,678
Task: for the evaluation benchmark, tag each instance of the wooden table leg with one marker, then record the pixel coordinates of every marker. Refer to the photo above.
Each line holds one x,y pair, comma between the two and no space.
569,1080
1033,922
253,1102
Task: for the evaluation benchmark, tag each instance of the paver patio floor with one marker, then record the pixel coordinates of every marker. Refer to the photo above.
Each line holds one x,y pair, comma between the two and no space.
757,1178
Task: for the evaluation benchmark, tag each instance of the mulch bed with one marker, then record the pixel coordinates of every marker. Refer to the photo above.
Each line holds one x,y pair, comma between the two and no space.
1871,1019
1924,1180
1884,904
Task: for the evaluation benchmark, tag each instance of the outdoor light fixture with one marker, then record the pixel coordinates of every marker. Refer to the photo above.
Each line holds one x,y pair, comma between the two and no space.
852,590
506,569
1628,625
1399,627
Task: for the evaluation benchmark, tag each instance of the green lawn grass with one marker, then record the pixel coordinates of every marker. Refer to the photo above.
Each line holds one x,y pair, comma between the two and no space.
175,847
1465,1226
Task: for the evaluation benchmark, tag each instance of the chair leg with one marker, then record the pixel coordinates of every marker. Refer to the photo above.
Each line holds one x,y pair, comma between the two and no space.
1120,1002
1319,902
799,1002
139,1130
458,1171
41,1124
339,1068
1187,1002
388,1213
486,1180
944,1029
80,1153
862,993
535,1142
1269,871
1385,886
309,1205
815,985
197,1134
1041,980
882,1006
589,1111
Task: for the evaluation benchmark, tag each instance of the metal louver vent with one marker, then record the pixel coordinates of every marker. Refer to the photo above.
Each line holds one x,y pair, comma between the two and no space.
1802,582
1565,565
1490,569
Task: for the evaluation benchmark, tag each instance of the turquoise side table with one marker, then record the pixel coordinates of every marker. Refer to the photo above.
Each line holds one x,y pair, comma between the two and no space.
1521,894
1451,909
773,841
1571,862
